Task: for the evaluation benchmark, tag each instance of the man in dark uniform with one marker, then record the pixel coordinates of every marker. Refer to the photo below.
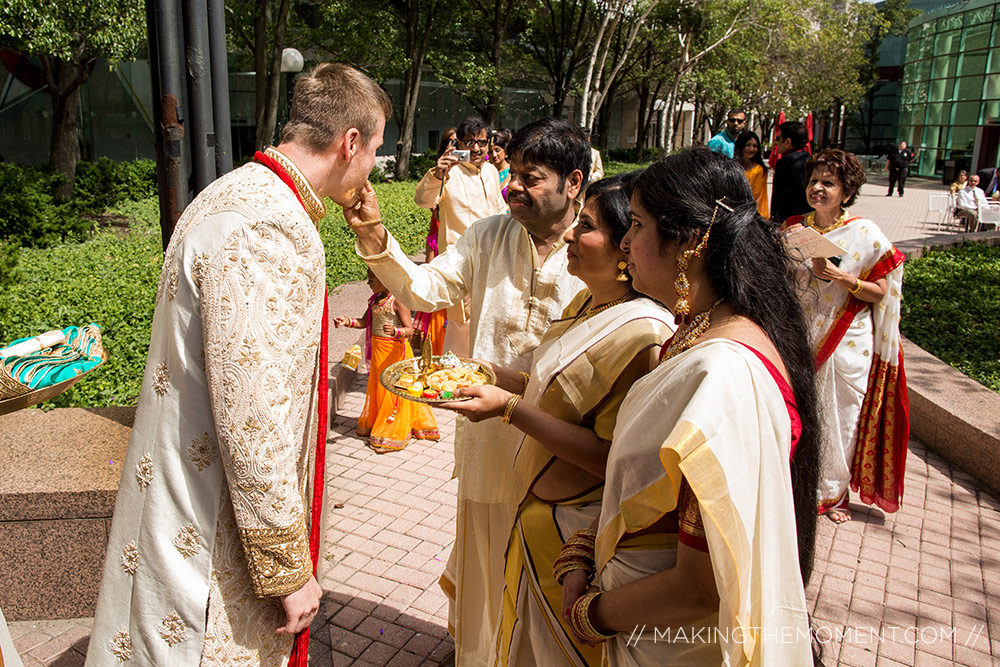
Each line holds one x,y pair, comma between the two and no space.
898,163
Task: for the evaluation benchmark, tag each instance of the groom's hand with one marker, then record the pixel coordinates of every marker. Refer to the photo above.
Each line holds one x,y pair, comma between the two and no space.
300,608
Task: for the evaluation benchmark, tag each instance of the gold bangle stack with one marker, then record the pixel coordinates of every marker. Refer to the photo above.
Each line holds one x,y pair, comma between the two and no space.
576,554
579,619
857,288
366,223
509,410
526,379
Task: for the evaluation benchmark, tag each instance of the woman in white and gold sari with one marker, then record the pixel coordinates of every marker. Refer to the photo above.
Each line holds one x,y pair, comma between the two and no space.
852,309
608,337
705,536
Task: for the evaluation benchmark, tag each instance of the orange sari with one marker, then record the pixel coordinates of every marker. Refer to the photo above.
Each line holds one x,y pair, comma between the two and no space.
389,421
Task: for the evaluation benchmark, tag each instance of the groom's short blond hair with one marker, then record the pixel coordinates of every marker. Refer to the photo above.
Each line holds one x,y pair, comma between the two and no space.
331,99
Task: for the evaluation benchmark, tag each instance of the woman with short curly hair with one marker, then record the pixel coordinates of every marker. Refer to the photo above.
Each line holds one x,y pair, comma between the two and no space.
852,304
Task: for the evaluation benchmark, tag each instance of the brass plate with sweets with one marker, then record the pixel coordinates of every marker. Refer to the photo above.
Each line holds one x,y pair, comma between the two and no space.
415,380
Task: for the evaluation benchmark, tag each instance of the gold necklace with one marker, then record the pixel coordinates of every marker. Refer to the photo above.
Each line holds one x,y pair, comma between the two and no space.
685,340
591,311
312,202
841,221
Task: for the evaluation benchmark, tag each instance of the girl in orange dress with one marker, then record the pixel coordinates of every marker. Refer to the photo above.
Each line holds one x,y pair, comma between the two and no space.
388,420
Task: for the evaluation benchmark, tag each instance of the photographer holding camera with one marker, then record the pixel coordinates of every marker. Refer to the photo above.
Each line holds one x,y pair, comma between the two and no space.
464,187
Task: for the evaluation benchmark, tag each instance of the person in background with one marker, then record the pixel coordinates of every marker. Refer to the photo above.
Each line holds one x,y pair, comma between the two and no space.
724,143
387,420
788,188
960,181
747,152
596,164
898,164
967,203
431,326
461,192
852,308
498,155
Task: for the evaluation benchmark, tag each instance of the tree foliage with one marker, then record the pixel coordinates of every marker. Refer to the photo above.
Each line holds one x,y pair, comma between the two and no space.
66,36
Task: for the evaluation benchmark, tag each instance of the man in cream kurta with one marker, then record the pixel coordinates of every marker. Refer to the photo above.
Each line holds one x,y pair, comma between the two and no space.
208,558
514,269
462,192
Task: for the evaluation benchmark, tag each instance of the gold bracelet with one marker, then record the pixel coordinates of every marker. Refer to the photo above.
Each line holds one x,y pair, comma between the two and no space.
857,288
526,379
366,223
509,410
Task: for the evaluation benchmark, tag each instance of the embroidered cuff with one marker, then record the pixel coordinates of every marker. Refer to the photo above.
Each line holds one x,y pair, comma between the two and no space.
278,558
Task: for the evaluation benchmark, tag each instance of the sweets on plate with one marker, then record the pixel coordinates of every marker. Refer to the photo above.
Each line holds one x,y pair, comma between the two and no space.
450,379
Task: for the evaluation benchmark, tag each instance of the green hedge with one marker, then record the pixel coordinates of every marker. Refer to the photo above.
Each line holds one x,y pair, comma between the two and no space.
951,308
111,280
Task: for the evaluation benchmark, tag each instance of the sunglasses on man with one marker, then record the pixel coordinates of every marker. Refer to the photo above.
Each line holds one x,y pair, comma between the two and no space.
738,121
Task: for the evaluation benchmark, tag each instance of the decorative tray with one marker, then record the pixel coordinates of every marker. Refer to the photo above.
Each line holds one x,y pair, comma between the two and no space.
36,396
403,377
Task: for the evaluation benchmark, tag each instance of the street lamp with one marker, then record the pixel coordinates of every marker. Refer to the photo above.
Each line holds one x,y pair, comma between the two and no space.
291,64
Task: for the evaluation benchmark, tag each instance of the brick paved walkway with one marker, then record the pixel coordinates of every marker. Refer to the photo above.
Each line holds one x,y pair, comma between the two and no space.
919,587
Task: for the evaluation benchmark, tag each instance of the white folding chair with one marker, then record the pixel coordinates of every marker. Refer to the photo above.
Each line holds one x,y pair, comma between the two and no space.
989,214
940,204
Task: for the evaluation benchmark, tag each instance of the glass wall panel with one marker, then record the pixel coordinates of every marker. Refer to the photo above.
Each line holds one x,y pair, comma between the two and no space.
965,113
937,114
981,15
976,37
972,63
951,22
939,69
931,136
991,111
962,137
969,88
991,89
941,89
996,35
927,160
946,43
923,70
994,66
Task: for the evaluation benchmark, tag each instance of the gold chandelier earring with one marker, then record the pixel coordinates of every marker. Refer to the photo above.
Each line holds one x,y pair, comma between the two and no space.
682,309
622,277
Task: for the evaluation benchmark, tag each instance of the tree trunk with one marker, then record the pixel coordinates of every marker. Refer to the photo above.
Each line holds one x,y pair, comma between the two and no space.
417,37
268,75
64,79
641,121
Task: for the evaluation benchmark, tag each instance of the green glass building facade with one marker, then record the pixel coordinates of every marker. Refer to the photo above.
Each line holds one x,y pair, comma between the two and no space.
950,106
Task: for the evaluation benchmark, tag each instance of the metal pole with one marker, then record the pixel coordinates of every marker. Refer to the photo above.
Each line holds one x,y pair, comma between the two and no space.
166,69
220,87
202,130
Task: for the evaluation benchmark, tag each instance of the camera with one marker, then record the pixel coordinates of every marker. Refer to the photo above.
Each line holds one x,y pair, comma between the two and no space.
463,156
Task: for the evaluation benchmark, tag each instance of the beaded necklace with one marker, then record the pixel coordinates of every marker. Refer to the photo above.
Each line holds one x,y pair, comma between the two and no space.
686,339
810,221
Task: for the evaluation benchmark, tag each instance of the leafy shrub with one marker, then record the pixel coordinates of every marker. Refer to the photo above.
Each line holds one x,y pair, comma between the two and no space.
105,183
419,164
29,215
951,308
380,175
8,271
615,168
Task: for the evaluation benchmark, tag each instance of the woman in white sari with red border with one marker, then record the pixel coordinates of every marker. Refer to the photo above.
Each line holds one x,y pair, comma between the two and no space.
853,313
720,439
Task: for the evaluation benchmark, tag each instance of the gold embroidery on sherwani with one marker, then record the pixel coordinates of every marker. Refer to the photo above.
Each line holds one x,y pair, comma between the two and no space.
202,451
161,379
172,629
262,317
121,645
130,558
172,283
144,471
187,541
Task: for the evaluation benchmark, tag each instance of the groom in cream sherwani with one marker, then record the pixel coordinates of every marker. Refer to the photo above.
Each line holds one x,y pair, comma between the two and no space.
208,559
